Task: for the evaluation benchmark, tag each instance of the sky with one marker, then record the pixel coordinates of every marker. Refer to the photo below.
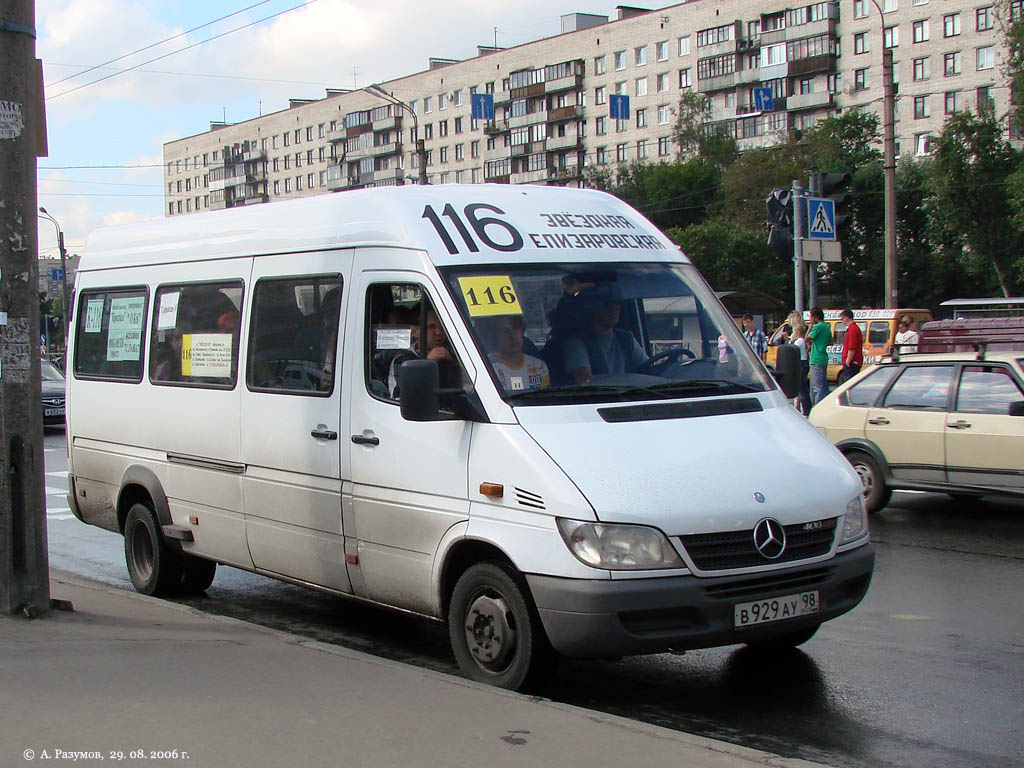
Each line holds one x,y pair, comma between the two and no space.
106,133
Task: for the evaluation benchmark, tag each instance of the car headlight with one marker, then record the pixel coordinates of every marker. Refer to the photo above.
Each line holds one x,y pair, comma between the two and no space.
855,520
618,547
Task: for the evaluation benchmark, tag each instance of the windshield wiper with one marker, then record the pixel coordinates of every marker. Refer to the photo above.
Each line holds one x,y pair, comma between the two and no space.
702,384
599,390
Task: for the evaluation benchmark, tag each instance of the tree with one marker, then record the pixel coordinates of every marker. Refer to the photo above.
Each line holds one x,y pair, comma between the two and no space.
973,167
696,138
1013,67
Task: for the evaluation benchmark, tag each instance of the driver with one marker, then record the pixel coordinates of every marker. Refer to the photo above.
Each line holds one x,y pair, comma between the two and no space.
601,348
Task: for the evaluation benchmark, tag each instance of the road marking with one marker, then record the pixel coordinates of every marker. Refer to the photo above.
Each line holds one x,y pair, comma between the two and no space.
909,617
56,491
62,475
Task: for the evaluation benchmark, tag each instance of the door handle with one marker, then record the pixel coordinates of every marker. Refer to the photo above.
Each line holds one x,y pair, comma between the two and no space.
960,424
323,433
365,439
879,420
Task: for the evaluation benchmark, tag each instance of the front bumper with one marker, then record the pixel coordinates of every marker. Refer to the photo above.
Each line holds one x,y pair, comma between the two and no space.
605,619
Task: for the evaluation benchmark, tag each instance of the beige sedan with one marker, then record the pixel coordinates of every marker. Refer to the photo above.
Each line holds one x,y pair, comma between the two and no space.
951,422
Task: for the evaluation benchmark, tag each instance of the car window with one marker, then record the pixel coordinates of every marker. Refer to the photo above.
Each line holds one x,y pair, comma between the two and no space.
923,386
879,332
866,391
986,389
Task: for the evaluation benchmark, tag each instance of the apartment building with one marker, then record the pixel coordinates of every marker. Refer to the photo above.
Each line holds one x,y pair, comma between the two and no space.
551,97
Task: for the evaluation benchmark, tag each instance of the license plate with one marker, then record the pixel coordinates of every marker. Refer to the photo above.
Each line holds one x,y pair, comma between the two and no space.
53,411
775,609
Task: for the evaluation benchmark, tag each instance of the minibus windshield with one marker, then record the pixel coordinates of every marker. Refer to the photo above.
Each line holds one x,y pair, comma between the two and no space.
570,333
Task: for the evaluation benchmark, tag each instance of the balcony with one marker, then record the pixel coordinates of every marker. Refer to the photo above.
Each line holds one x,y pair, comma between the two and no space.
823,63
531,118
393,148
388,124
564,173
495,127
570,83
571,112
569,141
745,76
530,177
813,100
527,91
720,83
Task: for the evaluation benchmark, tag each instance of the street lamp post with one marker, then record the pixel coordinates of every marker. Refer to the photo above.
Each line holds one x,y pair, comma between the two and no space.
889,166
64,272
421,152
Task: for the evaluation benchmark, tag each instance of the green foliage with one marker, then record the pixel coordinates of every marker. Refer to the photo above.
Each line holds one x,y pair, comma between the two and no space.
669,194
1013,67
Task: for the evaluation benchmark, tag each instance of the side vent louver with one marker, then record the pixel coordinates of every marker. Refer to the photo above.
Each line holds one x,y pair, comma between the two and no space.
531,500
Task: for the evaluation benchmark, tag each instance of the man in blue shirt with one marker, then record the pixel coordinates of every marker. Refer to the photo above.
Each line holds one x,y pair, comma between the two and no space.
602,348
755,336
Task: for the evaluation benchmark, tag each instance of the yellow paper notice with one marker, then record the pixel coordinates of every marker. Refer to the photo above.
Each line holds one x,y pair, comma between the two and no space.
490,295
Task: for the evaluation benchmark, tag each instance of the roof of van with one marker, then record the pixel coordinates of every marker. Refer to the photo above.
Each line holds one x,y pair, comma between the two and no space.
455,224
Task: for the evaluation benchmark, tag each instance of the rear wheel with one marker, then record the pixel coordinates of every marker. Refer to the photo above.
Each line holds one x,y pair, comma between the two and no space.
153,568
782,642
495,631
876,493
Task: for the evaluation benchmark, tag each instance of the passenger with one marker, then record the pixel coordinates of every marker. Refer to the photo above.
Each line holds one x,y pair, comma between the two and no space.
602,348
517,372
437,350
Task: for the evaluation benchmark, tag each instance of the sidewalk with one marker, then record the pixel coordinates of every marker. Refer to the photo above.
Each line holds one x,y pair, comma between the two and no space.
126,672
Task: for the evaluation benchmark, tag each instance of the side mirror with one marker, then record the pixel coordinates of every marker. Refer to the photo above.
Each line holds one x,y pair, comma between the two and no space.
1017,408
787,369
418,382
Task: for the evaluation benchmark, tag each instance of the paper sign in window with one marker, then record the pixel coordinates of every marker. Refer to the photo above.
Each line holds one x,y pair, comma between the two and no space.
489,295
124,332
206,354
168,313
94,316
394,338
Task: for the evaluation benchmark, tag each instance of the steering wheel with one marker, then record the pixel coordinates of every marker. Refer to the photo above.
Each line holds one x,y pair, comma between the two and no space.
663,360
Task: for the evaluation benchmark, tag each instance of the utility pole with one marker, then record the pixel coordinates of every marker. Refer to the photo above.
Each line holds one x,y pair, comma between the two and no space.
421,152
24,569
798,246
889,167
814,185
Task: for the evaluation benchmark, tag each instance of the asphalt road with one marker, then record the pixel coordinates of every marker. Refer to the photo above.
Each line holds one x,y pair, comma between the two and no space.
927,671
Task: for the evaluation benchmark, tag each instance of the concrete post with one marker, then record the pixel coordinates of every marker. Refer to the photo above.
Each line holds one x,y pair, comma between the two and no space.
24,569
798,245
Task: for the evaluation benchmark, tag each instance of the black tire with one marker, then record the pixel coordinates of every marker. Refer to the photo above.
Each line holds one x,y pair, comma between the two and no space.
495,630
153,568
876,492
785,642
964,498
196,574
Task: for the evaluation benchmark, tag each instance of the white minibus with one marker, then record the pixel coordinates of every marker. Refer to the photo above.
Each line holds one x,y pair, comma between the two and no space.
460,401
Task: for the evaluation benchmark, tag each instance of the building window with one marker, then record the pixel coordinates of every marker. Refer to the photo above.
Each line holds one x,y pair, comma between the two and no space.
951,63
599,95
460,152
310,180
298,183
860,42
986,57
860,79
641,86
920,107
277,187
860,9
985,18
888,6
715,35
640,55
684,46
806,85
661,50
922,144
599,65
663,82
921,31
684,78
641,118
954,102
921,68
664,114
428,105
444,154
951,25
891,37
664,145
620,153
620,59
601,156
474,148
985,101
442,128
287,185
641,149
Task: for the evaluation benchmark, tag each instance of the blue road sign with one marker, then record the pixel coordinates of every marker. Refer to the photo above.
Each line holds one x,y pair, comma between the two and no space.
57,275
763,100
821,219
482,106
618,106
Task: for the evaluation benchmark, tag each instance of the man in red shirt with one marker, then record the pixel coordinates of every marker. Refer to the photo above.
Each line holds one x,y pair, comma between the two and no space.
853,347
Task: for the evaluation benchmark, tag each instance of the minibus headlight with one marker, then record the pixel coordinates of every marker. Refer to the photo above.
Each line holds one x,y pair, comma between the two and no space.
855,521
618,547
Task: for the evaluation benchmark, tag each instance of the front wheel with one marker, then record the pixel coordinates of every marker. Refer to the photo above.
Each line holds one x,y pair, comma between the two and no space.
495,631
196,574
153,568
876,493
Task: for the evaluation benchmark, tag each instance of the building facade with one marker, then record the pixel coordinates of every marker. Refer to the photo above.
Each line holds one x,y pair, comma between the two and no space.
551,98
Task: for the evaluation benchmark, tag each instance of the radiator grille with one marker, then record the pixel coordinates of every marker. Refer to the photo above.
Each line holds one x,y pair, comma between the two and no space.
735,549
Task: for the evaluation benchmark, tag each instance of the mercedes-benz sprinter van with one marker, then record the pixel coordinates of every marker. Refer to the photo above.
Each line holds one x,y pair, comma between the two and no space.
460,401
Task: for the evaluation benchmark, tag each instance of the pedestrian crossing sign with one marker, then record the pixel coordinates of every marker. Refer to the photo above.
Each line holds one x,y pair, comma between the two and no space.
821,219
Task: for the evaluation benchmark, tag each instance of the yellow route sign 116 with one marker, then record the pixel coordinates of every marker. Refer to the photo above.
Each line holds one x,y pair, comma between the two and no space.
487,295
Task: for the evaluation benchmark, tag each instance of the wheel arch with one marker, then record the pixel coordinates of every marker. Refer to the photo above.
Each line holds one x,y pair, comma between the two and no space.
463,554
866,446
141,485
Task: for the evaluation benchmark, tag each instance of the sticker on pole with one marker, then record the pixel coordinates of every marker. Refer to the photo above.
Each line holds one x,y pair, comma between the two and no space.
821,213
490,295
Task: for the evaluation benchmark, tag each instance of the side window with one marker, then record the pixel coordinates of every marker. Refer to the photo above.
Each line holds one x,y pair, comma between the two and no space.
294,335
109,331
399,315
866,391
879,332
923,387
194,339
986,389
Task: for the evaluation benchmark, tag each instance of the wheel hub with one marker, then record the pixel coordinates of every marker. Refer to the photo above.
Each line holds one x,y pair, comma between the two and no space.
865,478
489,635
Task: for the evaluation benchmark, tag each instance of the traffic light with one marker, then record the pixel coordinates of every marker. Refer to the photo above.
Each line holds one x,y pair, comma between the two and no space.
779,209
832,187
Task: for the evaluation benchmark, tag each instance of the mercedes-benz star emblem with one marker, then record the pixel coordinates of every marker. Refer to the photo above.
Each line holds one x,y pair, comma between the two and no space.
769,538
759,497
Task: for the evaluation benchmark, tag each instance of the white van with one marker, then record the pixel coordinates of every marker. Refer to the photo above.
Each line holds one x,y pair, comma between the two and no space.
449,400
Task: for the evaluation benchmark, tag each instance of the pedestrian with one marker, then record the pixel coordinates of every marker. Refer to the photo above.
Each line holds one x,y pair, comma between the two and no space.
853,347
800,341
906,337
820,337
755,336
